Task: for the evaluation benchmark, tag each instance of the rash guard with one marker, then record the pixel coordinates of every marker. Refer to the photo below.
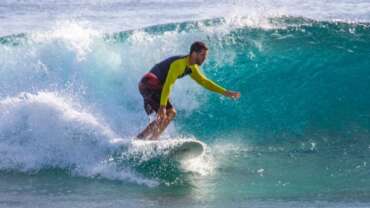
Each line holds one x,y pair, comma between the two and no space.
173,68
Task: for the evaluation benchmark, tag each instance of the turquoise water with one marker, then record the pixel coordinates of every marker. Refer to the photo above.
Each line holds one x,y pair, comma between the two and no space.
298,137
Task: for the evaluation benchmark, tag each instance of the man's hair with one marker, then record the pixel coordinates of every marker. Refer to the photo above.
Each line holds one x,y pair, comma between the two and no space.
198,46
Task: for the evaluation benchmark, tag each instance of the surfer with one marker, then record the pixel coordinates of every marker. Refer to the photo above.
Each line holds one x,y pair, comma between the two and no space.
155,87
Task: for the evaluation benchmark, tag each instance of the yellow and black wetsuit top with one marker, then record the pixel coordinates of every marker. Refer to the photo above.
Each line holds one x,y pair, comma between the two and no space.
177,67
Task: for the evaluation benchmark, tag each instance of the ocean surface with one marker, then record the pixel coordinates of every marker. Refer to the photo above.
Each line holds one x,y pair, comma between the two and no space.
69,104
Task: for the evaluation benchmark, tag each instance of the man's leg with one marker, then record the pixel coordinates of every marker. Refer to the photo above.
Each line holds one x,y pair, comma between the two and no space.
148,130
150,89
156,130
171,113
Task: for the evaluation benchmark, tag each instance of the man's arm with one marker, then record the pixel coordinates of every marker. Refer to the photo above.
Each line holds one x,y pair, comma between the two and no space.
199,77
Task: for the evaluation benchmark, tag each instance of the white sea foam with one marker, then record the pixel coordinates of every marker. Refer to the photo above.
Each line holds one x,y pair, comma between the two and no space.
76,36
47,130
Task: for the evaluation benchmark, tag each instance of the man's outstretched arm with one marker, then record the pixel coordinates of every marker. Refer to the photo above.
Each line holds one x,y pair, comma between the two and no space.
199,77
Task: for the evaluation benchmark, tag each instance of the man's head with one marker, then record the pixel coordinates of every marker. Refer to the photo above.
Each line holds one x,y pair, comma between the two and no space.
198,52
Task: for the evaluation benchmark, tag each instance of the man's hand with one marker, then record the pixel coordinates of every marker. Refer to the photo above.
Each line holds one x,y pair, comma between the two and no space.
233,95
161,115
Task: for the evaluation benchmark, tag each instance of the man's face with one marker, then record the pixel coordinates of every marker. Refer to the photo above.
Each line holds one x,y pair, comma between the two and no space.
200,57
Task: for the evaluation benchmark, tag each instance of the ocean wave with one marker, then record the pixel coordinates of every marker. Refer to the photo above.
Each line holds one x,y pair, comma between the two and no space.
66,96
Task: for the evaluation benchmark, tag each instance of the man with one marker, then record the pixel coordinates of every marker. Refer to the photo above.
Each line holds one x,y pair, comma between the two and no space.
156,85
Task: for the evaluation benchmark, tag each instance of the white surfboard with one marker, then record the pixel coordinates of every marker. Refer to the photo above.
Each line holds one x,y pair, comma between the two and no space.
186,150
176,149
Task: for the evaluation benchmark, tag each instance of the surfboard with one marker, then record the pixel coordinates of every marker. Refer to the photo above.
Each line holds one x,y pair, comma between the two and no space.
174,149
186,150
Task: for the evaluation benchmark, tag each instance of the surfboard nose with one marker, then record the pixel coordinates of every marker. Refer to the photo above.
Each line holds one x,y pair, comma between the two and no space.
187,150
